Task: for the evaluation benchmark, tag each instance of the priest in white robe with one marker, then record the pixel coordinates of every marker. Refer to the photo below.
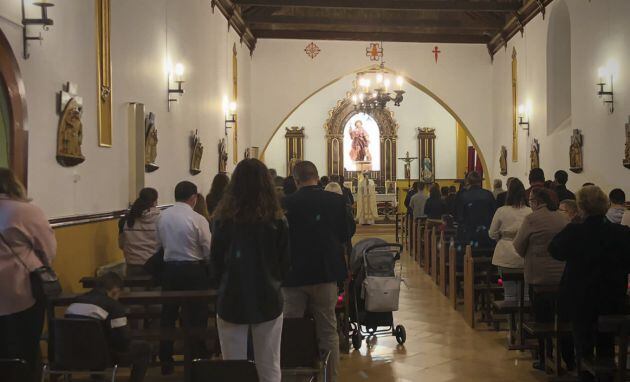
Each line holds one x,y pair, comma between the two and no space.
366,201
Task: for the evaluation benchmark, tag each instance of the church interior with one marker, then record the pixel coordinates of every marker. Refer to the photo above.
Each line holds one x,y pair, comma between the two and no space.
100,99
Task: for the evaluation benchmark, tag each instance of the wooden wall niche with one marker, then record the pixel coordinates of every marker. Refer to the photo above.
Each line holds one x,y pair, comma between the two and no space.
14,95
334,127
295,147
426,151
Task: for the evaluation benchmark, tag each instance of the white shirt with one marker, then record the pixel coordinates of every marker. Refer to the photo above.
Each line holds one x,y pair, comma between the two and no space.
184,234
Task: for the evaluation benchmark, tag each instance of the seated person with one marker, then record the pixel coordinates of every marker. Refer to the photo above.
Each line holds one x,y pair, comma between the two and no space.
101,303
617,206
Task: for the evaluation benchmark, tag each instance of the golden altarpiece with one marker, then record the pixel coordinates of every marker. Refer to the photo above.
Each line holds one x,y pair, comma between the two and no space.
388,130
295,147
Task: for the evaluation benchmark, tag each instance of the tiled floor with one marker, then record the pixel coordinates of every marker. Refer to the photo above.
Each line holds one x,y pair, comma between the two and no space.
440,346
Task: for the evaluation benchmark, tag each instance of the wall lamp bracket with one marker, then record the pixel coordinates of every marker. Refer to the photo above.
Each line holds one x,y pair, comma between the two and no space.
608,95
230,122
178,90
523,124
44,21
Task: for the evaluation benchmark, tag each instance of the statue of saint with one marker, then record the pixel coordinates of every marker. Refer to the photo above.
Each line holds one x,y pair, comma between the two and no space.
626,161
150,143
223,157
360,151
197,153
575,152
503,161
70,135
534,154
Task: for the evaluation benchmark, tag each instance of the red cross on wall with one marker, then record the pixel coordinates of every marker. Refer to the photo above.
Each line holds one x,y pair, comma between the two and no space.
374,51
436,52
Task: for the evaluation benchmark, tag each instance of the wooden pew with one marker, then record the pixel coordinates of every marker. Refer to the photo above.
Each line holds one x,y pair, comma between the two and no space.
428,245
454,276
479,283
187,335
443,261
619,326
419,242
554,330
89,282
515,311
434,253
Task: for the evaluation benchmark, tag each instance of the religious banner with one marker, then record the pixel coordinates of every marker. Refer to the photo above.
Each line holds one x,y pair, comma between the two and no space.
514,107
576,162
104,74
295,147
426,151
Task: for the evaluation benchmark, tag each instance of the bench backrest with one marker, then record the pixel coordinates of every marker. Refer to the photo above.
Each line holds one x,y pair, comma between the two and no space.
13,370
205,370
80,344
299,343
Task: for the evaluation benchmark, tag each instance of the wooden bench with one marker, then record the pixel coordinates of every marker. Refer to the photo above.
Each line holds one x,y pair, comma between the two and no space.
619,326
515,311
187,335
480,285
427,245
443,259
89,282
455,276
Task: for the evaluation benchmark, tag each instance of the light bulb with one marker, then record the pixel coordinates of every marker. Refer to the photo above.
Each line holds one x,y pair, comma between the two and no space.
521,110
233,106
179,69
613,67
602,73
528,109
361,97
226,105
354,99
386,83
379,78
399,81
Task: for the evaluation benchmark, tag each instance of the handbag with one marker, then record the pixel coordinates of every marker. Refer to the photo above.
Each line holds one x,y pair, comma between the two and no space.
44,281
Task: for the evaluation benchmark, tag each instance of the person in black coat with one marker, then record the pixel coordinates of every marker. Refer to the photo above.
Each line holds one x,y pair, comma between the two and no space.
595,278
475,209
250,259
318,233
435,207
560,179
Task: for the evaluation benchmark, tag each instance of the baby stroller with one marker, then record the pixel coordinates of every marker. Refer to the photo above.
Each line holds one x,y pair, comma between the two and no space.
374,290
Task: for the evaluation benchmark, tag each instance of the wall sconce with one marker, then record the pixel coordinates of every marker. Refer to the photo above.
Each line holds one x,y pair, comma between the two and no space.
229,109
524,113
43,20
603,73
178,78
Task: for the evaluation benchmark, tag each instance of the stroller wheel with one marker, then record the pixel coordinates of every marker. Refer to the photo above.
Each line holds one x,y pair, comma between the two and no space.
401,334
357,339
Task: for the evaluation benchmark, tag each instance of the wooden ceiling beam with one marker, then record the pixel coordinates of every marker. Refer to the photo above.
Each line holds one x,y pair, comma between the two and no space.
370,36
418,5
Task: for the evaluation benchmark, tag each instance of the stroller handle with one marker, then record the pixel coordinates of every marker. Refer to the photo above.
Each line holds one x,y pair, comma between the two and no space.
384,245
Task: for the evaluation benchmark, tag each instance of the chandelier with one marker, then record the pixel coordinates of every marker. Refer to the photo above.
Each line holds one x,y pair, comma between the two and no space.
373,89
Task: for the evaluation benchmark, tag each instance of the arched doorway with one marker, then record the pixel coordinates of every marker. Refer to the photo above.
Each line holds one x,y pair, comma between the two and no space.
13,133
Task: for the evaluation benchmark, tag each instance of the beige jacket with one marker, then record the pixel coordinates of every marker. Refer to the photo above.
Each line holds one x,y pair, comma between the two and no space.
29,236
505,225
140,242
532,241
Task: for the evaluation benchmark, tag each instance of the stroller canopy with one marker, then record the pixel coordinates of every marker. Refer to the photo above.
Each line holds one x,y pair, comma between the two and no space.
381,261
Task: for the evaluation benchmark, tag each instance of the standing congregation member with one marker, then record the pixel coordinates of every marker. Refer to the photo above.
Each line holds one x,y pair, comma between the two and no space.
418,201
617,205
505,225
412,191
434,207
138,239
475,209
217,189
595,280
536,180
288,186
101,303
561,178
501,197
531,243
318,235
27,242
250,258
346,191
201,207
185,237
497,187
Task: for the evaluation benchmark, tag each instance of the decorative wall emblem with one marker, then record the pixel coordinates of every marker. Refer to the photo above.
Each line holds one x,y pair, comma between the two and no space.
534,154
374,51
576,162
150,143
626,160
70,131
312,50
436,51
195,154
503,161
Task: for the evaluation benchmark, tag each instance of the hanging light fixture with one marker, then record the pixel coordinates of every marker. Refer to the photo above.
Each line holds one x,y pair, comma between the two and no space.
373,89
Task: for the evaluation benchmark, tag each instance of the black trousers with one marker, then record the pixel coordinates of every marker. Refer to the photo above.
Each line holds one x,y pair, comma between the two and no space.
138,357
543,308
20,334
181,276
588,341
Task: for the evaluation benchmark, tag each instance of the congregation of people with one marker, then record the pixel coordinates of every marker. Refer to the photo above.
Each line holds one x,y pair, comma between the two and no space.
271,247
579,242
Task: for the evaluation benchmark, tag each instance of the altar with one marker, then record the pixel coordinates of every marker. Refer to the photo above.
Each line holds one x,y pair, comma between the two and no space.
386,204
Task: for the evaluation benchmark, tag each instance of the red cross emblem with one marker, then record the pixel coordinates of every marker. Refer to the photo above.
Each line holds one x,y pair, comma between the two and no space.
436,52
374,51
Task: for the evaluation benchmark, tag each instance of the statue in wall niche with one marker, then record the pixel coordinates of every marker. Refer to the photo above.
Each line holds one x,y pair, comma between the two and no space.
223,156
70,130
503,161
534,154
576,162
150,143
626,160
196,154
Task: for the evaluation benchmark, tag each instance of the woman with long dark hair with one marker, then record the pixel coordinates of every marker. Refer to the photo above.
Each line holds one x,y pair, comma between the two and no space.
435,207
505,225
250,258
138,237
219,184
27,242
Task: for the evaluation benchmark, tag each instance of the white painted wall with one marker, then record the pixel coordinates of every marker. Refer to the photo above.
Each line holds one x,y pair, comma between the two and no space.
144,33
283,76
599,32
417,110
